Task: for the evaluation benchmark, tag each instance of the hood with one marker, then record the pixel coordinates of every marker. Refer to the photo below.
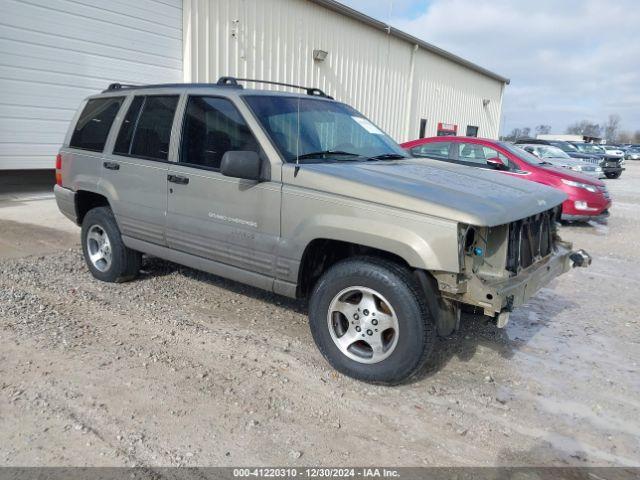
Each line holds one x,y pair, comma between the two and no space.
583,155
562,161
474,196
570,162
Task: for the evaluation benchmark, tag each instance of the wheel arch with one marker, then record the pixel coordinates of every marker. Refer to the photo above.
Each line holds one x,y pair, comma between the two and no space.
87,200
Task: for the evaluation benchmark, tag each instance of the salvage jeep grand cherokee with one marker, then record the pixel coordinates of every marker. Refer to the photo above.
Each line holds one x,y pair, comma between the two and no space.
303,196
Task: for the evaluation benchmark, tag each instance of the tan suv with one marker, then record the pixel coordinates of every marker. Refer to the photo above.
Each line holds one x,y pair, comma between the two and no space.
303,196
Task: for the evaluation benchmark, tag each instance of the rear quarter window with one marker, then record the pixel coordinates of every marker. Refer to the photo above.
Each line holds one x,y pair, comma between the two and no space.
91,130
439,150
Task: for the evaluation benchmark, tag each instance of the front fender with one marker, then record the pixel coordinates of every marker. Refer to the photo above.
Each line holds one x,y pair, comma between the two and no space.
425,245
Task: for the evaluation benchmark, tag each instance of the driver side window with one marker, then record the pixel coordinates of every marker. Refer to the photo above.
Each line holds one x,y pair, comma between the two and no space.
212,127
491,153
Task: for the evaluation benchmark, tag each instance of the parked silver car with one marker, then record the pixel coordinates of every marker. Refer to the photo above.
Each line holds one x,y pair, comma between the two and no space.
303,196
558,158
632,153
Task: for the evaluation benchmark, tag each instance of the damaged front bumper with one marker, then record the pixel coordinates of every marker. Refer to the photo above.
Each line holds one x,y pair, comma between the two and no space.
499,296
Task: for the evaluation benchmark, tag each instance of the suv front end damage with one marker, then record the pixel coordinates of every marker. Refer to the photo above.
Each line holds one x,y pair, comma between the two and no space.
503,266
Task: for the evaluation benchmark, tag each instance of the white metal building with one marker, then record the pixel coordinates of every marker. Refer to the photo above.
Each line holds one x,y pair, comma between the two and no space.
53,53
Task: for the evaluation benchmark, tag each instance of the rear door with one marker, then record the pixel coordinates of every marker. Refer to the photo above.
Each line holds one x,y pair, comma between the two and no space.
134,175
228,220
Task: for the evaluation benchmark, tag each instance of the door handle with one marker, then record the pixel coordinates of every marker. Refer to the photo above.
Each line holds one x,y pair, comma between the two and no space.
111,165
178,179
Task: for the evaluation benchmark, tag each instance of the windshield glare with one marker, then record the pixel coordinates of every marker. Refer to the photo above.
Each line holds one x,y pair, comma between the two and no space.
551,152
565,146
589,148
521,154
307,127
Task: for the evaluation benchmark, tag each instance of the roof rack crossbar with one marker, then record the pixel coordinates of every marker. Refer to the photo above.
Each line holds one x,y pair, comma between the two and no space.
310,90
119,86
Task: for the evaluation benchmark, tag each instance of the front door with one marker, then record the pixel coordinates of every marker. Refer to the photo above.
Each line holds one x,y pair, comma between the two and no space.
228,220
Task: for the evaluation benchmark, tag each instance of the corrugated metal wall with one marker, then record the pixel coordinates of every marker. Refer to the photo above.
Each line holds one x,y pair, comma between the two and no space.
53,53
387,78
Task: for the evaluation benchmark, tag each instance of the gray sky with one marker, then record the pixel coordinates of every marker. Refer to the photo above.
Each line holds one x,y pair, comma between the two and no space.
568,60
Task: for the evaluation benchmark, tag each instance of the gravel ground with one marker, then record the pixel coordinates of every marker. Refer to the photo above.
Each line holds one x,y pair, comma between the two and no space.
184,368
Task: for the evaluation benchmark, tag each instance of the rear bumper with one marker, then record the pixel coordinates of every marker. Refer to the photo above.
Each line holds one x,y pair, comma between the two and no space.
66,200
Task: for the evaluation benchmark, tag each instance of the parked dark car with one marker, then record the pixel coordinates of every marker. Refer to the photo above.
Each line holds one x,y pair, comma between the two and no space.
611,162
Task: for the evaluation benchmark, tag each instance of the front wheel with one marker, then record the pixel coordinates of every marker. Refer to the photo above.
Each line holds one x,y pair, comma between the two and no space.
613,174
370,320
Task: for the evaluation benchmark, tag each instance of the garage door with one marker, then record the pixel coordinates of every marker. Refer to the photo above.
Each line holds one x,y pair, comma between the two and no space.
53,53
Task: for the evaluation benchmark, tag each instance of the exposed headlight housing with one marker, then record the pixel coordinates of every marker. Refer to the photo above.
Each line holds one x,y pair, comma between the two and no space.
577,168
584,186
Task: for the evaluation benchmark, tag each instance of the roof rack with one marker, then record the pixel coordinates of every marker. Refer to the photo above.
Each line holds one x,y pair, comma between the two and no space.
122,86
228,82
233,81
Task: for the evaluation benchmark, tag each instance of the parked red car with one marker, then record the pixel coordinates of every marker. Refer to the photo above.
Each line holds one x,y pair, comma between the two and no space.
588,197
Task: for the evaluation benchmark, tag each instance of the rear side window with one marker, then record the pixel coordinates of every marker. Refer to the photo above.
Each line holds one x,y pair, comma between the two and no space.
95,121
439,150
128,126
212,127
146,130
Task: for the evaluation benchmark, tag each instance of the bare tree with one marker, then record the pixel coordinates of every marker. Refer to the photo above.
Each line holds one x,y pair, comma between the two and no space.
625,137
543,129
526,132
515,134
585,127
611,128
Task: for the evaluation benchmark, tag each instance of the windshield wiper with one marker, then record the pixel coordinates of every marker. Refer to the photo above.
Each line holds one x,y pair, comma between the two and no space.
325,153
388,156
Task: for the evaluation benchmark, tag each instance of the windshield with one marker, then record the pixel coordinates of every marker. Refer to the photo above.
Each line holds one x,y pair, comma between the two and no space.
521,154
546,151
315,130
564,146
589,148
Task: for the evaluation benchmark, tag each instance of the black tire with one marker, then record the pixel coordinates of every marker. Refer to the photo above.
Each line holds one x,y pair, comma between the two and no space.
613,174
396,283
125,263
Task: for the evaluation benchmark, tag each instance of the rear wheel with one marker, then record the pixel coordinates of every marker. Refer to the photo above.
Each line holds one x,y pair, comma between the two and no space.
370,320
106,255
613,174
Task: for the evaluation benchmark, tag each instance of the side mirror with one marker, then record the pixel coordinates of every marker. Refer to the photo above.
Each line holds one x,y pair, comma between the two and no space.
241,164
496,163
